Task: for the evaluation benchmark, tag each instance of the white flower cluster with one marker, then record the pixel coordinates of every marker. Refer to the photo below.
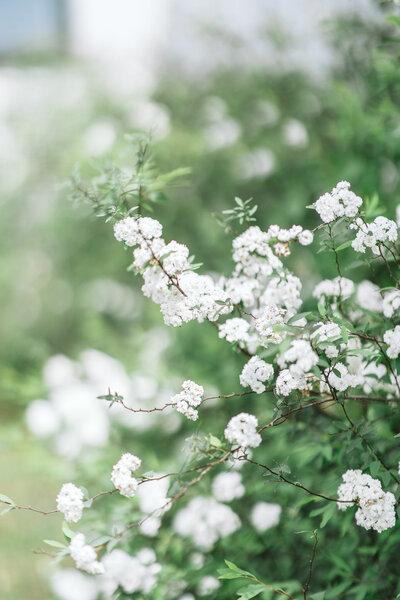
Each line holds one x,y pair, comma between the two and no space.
206,521
72,417
234,330
392,339
372,235
227,486
286,382
369,297
265,515
339,286
344,380
189,399
131,573
134,231
268,325
340,202
253,255
254,373
182,294
84,555
242,429
324,332
153,502
391,303
121,475
283,291
70,502
208,585
376,507
299,358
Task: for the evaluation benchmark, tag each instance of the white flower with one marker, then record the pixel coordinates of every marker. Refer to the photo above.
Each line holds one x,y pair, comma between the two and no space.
242,429
268,324
121,475
376,507
85,556
306,237
369,297
300,357
189,399
132,573
234,330
372,235
392,339
391,303
206,521
344,380
340,286
341,201
254,373
70,502
265,515
207,585
70,584
286,382
227,486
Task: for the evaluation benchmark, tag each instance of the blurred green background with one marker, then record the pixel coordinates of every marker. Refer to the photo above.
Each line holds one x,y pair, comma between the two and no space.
269,129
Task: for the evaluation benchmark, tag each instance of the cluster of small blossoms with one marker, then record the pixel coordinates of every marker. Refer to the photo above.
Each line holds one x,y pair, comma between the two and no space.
339,286
121,475
206,521
372,235
84,555
254,373
286,383
153,502
182,294
369,297
391,303
189,399
268,325
300,357
227,486
134,231
70,502
234,330
327,331
340,202
376,507
283,291
344,380
265,515
208,585
284,236
392,339
253,255
242,429
131,573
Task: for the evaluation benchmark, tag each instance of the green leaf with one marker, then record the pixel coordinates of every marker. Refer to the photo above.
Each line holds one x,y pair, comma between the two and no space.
328,514
54,544
344,245
228,574
6,499
318,596
250,591
67,531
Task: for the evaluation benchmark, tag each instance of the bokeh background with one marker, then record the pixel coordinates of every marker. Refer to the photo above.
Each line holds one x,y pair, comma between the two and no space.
272,100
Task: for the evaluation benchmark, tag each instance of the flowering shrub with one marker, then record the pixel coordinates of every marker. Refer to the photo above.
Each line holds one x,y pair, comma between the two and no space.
329,362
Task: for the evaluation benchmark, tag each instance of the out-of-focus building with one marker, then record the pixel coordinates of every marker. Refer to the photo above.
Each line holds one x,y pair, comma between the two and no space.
140,34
